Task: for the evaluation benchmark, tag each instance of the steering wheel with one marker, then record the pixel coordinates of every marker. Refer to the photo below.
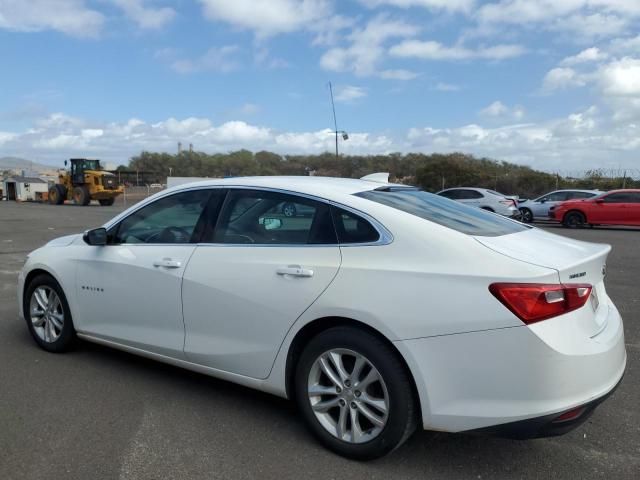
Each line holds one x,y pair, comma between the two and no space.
170,235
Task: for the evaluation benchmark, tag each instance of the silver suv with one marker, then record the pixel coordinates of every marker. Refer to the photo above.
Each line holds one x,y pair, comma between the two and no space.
485,199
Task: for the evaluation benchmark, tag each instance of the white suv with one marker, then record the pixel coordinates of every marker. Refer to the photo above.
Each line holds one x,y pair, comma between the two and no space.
485,199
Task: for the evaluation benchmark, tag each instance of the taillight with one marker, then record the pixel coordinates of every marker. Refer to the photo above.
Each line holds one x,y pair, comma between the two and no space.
533,302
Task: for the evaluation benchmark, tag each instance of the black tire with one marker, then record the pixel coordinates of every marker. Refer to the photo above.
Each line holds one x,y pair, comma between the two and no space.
574,219
57,194
107,202
67,336
81,196
527,215
403,413
289,210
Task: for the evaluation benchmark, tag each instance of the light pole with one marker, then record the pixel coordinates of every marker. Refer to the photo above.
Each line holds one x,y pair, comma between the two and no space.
345,135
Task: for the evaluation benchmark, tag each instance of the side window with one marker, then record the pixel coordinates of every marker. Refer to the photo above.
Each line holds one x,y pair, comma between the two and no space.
352,228
262,217
557,197
634,197
582,195
620,197
472,194
448,194
172,219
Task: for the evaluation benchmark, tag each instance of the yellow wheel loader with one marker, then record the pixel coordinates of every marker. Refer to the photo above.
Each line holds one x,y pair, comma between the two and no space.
83,182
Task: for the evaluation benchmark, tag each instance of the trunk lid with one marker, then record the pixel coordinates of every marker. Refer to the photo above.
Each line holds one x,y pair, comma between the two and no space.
575,261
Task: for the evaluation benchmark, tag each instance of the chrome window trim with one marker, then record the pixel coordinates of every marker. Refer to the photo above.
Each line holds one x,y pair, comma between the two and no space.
385,237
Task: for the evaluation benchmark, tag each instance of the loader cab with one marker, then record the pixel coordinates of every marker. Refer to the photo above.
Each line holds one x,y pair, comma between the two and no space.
78,168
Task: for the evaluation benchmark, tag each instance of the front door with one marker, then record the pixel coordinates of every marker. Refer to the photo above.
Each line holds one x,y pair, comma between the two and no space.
261,270
610,209
129,291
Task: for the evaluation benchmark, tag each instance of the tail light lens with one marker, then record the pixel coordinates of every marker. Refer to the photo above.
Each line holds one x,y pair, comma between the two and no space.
509,202
533,302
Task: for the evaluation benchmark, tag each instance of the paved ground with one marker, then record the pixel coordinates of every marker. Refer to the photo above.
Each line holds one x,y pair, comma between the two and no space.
102,414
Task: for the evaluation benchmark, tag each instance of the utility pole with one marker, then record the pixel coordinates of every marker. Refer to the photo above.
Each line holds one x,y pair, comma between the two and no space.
345,136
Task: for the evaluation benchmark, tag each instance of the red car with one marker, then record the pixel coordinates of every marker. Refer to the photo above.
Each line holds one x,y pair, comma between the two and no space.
616,207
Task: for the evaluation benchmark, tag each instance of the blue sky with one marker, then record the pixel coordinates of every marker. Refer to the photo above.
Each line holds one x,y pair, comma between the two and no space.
550,83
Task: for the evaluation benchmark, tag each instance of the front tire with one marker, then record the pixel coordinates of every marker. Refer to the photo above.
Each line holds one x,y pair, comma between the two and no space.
355,393
57,194
527,215
574,220
81,196
47,314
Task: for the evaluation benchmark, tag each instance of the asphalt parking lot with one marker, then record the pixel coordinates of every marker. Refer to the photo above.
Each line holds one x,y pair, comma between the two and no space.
102,414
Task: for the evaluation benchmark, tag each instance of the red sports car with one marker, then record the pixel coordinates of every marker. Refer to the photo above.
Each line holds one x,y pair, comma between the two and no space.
616,207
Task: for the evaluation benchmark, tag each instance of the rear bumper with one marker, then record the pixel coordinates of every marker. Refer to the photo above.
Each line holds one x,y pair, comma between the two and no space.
476,380
547,425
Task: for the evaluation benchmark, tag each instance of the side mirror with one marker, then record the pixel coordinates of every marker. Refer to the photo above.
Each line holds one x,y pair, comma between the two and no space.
271,223
96,236
543,200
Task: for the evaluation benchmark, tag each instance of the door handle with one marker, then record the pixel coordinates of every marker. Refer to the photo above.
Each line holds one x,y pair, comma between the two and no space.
167,263
294,271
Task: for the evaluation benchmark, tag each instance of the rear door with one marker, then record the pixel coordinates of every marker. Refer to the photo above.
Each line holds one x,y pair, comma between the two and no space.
259,271
633,210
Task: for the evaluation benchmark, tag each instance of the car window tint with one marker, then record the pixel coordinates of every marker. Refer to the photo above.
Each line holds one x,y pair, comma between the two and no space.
472,194
352,228
171,219
557,197
634,197
454,215
447,194
262,217
620,197
578,195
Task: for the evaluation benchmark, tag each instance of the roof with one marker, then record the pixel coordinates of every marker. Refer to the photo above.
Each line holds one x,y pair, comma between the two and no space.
25,180
326,187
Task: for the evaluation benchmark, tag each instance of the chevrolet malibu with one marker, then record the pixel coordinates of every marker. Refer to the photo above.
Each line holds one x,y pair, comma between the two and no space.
383,310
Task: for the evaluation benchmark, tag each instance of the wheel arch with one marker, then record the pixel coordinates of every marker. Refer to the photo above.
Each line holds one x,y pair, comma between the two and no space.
314,327
33,273
575,210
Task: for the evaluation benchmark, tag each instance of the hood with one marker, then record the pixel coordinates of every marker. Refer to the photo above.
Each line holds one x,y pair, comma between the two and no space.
63,241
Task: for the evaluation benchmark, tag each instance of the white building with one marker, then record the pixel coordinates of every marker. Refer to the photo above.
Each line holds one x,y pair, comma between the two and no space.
24,188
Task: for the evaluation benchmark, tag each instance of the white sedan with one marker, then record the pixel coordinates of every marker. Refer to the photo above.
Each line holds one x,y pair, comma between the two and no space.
385,309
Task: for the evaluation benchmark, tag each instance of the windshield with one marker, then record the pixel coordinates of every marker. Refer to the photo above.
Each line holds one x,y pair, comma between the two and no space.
449,213
89,164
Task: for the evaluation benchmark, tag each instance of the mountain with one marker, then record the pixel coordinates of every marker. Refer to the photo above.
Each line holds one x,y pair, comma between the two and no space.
17,164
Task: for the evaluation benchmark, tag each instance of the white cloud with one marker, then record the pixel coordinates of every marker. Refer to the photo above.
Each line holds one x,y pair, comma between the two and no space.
562,77
398,74
71,17
592,54
217,59
267,17
146,17
447,87
621,78
498,109
349,93
432,50
366,47
449,5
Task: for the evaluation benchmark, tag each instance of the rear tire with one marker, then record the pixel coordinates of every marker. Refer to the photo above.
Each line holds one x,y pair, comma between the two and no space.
81,196
574,220
47,314
57,194
385,408
106,202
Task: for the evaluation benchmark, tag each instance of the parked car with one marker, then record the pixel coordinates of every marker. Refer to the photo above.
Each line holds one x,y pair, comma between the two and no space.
539,207
616,207
484,199
389,309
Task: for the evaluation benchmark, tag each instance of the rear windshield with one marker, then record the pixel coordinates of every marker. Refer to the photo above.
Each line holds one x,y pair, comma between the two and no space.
449,213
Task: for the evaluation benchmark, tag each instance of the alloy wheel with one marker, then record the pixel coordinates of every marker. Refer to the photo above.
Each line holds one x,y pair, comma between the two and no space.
348,395
47,313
